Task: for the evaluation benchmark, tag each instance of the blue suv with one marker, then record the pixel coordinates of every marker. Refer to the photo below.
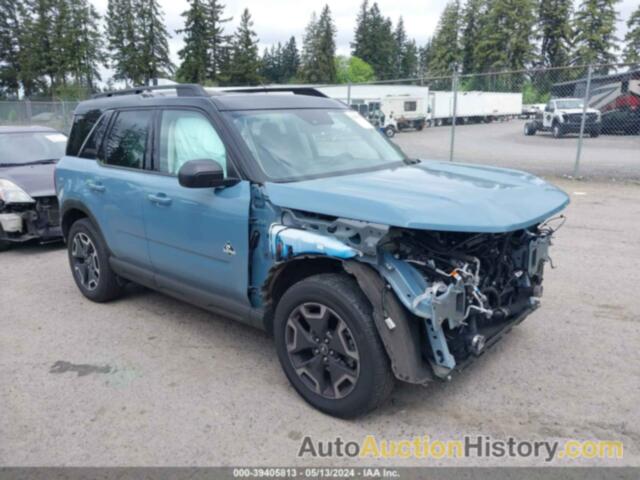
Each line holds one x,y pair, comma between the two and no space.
287,210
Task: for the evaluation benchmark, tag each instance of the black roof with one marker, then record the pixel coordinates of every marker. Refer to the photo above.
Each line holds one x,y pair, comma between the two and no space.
25,129
272,101
223,100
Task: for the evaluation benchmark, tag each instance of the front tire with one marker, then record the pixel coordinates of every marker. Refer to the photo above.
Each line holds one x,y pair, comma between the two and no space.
389,131
556,131
89,262
329,348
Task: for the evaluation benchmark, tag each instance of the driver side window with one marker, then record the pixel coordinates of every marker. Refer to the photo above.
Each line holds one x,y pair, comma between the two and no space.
188,135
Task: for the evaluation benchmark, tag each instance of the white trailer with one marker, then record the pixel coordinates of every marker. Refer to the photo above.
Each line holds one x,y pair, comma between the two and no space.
473,106
359,93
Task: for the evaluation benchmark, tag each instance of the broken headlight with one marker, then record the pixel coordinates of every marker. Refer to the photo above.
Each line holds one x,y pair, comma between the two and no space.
12,193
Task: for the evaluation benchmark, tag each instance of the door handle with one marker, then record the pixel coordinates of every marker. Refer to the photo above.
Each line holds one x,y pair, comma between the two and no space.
95,186
159,199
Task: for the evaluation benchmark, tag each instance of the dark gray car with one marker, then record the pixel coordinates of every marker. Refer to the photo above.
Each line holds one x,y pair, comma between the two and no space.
28,205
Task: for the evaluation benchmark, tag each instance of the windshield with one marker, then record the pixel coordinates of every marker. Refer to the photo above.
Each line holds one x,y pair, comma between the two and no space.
296,144
566,104
28,147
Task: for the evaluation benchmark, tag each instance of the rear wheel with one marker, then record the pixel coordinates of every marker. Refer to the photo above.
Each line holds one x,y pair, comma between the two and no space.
529,129
595,132
329,348
89,261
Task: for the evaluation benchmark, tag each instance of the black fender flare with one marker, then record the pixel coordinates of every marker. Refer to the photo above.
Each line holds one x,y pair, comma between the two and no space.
403,342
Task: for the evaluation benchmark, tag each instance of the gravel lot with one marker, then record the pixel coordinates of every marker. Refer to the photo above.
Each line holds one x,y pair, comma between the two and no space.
505,145
148,380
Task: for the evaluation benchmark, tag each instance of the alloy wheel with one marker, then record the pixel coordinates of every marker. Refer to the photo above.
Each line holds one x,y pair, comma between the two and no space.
85,261
322,350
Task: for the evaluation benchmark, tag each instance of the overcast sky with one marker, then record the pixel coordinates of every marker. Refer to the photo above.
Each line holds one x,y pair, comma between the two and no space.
277,20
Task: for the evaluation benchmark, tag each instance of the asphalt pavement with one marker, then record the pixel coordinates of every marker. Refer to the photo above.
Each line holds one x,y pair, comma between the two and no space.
148,380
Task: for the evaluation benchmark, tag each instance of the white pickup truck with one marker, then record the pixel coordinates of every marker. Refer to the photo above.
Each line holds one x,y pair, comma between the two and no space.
564,115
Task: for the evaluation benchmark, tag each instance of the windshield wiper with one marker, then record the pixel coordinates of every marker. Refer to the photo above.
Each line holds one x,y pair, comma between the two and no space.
44,161
412,161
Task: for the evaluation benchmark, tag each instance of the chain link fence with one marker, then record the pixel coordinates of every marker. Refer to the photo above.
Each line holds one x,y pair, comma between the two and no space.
54,114
580,121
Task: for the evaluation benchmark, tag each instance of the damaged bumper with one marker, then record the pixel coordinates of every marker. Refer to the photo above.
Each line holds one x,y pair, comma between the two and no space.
24,222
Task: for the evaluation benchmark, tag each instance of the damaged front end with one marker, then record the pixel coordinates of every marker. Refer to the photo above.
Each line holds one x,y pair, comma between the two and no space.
439,298
36,219
466,288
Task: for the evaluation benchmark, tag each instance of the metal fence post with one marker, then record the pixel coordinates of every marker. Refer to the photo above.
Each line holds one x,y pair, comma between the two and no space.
27,111
454,89
349,93
585,104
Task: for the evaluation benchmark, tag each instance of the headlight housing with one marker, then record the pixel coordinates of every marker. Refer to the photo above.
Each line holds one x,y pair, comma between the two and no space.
12,193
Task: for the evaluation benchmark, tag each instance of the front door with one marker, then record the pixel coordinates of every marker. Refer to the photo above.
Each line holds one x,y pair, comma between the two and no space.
197,237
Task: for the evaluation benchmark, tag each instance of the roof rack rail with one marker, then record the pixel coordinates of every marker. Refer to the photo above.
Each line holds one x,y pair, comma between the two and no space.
310,91
182,90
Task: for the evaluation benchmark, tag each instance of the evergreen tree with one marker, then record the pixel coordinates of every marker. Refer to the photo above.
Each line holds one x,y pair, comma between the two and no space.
555,31
595,26
318,65
153,41
374,41
10,35
195,56
473,14
245,64
122,44
290,60
400,46
445,46
506,36
362,42
219,44
309,49
631,53
424,57
85,54
409,64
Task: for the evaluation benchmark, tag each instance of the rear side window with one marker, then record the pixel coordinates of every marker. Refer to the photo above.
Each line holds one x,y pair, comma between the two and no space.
126,142
82,125
90,148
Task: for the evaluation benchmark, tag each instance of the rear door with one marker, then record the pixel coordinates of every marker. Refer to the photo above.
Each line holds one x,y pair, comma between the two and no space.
198,237
119,181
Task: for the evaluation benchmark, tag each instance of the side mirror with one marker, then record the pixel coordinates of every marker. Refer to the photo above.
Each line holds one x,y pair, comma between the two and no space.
204,174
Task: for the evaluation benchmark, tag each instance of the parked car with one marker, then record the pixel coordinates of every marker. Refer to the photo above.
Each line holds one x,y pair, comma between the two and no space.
28,203
564,115
294,214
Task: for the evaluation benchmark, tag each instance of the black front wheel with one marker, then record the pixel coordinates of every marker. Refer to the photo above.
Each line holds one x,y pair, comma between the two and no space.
89,262
329,347
557,131
389,131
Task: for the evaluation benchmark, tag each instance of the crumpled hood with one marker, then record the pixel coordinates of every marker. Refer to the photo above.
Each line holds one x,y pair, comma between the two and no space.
429,196
36,180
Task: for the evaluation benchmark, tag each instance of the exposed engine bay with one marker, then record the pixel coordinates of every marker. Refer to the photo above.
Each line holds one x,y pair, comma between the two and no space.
460,291
473,284
38,219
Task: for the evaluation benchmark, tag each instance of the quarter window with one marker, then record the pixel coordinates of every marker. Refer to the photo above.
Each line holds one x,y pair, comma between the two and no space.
187,135
126,144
